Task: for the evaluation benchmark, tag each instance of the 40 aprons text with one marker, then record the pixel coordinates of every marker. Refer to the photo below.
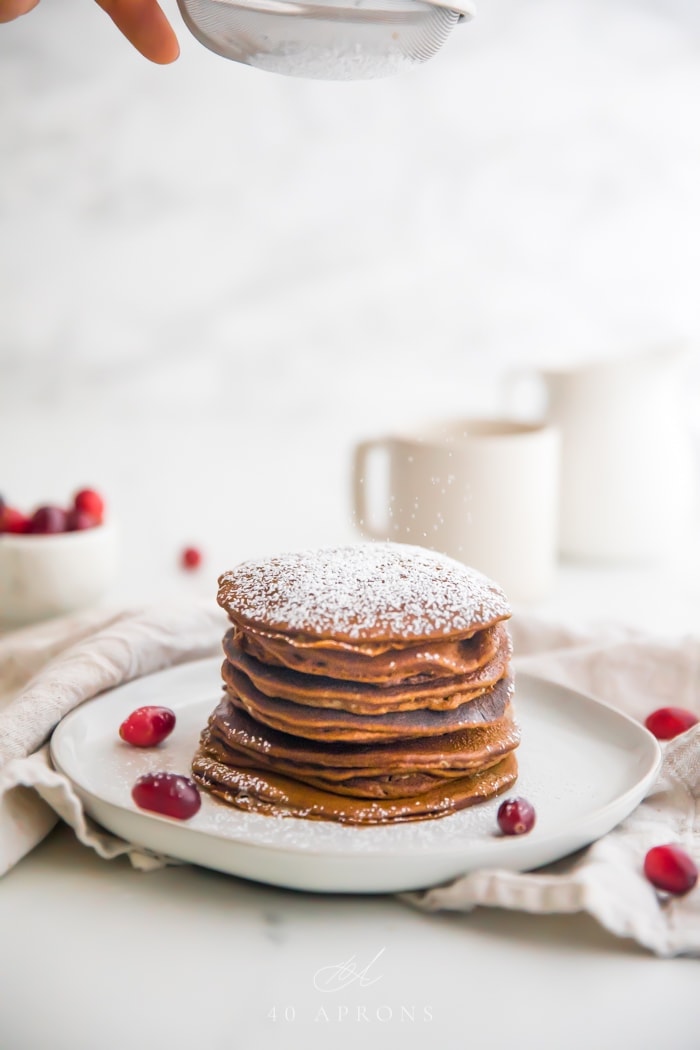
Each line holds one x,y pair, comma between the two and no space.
341,1013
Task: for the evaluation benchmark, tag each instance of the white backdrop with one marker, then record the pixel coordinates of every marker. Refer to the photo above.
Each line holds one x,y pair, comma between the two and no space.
213,279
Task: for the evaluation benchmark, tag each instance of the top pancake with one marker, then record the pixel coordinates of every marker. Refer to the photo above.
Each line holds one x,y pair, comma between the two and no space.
365,592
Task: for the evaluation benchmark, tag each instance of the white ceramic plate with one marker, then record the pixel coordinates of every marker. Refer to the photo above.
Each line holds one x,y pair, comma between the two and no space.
583,765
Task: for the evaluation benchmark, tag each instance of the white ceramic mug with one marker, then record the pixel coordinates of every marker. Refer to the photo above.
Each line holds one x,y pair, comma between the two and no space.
485,491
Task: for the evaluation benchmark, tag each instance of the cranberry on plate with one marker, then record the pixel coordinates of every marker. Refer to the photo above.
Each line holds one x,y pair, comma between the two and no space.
169,794
516,816
147,726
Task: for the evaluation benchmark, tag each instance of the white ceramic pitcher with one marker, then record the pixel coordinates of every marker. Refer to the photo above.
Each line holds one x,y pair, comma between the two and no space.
628,476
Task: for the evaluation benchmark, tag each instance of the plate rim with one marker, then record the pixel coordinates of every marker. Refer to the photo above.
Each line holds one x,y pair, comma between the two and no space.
652,765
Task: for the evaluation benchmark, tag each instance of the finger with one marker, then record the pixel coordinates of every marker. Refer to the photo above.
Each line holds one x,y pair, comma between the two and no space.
143,23
11,9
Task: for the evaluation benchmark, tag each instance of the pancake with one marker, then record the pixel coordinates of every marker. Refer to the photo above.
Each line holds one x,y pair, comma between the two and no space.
408,664
382,785
333,724
395,770
466,749
363,593
366,697
259,791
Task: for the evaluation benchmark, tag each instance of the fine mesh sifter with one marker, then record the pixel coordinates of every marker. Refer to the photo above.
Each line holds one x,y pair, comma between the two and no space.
325,39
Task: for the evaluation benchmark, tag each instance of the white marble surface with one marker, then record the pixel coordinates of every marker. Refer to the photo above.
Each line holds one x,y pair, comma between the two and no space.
212,282
105,957
185,957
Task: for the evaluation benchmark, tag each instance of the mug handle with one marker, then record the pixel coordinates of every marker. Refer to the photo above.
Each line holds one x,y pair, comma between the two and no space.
518,386
364,454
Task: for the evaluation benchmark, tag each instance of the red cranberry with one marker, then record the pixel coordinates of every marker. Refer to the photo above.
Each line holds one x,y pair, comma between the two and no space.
168,793
516,816
14,521
191,558
670,869
667,722
77,520
147,726
90,502
46,520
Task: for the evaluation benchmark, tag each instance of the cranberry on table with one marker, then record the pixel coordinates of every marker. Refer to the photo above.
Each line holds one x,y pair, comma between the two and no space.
668,722
170,794
90,502
516,816
671,869
191,558
48,520
147,726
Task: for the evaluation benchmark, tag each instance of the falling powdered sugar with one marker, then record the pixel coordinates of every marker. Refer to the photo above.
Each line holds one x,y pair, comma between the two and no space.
363,592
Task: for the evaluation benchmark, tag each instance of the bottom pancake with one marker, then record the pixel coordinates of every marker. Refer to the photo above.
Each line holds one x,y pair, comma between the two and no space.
256,790
378,786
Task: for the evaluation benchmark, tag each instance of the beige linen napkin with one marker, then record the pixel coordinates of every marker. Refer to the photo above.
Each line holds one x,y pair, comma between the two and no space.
636,674
47,670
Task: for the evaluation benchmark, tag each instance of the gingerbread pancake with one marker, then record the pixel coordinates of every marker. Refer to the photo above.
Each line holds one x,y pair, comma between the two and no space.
381,785
316,723
366,684
398,665
394,770
364,593
259,791
463,750
367,697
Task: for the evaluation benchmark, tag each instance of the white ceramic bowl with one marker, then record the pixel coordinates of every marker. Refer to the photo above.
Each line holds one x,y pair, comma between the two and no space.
45,576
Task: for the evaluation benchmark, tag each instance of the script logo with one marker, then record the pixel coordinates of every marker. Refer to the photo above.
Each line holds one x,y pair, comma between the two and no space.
341,975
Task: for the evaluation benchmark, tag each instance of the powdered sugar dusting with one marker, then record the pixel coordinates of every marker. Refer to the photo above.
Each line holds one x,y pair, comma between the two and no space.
363,592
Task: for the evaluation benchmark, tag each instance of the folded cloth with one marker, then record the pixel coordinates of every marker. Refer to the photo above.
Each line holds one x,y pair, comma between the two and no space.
637,675
46,671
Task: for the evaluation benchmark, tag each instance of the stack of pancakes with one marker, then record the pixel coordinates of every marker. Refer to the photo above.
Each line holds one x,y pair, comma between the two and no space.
366,684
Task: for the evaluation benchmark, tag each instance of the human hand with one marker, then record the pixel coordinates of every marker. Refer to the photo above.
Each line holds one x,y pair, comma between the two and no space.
141,21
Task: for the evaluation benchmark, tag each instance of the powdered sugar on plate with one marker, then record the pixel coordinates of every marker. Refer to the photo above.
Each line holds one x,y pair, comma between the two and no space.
363,592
